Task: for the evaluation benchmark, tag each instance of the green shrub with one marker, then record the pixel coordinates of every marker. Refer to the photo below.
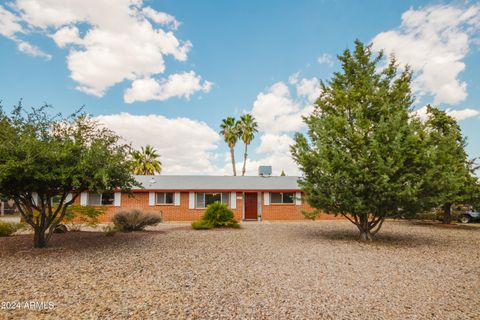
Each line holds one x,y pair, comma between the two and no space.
217,215
76,216
201,225
109,230
7,229
312,215
135,220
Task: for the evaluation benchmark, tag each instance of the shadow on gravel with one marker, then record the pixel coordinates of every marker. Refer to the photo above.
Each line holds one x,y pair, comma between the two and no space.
71,241
435,224
382,239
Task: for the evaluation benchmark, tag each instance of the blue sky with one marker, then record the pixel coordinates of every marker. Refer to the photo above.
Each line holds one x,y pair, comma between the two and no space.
166,72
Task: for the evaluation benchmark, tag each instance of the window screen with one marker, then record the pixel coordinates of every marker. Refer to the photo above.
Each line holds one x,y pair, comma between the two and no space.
164,197
282,197
94,199
107,198
206,198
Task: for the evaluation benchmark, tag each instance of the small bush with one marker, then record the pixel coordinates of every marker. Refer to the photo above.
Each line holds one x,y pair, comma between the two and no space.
135,220
7,229
109,230
312,215
217,215
201,225
76,216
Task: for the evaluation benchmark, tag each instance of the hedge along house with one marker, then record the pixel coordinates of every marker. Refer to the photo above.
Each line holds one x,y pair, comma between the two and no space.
186,197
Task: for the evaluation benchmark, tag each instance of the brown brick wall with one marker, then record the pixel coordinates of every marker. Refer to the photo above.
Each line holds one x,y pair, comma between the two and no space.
139,200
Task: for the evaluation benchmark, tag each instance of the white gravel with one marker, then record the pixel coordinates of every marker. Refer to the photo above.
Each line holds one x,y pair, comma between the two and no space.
281,270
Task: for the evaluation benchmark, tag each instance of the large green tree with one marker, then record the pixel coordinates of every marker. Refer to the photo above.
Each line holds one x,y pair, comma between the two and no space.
449,178
229,129
43,157
364,156
145,161
247,129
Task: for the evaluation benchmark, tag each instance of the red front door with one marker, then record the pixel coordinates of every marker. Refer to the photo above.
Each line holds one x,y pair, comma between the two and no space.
250,206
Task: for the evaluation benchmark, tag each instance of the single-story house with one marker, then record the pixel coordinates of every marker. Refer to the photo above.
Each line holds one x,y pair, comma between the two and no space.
184,198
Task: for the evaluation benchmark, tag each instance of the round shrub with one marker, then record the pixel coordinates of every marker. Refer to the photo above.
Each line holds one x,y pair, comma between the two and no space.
217,215
135,220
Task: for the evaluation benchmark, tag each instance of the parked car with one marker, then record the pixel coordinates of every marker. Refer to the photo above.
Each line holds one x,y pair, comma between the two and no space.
469,216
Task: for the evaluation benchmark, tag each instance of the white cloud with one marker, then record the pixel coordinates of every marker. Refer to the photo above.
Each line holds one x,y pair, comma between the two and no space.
463,113
32,50
434,40
176,85
326,59
276,111
10,26
66,36
161,18
459,115
186,146
120,40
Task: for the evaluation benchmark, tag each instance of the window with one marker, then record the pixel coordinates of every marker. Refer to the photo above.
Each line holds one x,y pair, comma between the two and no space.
204,198
101,199
282,197
164,197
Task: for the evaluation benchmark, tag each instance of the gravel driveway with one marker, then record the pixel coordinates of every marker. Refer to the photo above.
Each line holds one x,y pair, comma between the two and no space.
294,270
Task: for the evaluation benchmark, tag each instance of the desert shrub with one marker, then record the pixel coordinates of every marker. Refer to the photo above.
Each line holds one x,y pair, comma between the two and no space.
217,215
77,216
135,220
311,215
7,229
109,230
201,225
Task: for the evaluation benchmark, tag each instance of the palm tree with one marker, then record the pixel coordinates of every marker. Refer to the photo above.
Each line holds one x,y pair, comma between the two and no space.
229,131
247,129
145,161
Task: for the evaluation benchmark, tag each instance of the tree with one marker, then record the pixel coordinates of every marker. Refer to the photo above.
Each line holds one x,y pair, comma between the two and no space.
145,161
43,157
229,130
247,129
282,174
364,156
449,179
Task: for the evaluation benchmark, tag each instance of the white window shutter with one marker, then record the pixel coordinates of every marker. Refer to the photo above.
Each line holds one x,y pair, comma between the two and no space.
68,197
83,198
117,200
191,200
266,198
233,200
151,199
298,198
176,198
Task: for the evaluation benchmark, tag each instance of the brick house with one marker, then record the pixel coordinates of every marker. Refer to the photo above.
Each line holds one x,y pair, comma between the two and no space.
184,198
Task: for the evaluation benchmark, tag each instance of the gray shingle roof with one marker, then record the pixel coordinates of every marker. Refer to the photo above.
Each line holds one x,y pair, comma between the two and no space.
165,182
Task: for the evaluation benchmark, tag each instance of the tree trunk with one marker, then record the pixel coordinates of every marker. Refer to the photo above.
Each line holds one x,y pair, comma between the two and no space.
447,213
365,235
232,155
39,239
244,160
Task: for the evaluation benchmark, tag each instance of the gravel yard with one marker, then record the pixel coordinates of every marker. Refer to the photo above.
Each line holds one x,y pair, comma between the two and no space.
304,270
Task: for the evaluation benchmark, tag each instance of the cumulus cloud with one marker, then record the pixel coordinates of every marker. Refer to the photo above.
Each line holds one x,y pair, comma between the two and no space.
186,146
326,59
119,40
176,85
10,26
277,111
434,41
458,114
